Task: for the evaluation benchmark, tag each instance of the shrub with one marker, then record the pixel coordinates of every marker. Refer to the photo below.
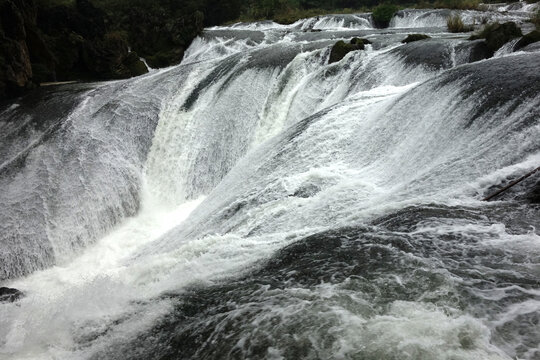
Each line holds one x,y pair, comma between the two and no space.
455,25
382,15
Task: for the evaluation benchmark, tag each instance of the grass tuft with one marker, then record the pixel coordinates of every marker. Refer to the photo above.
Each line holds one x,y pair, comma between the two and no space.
455,25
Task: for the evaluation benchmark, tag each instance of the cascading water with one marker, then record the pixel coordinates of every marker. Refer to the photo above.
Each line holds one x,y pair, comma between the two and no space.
258,202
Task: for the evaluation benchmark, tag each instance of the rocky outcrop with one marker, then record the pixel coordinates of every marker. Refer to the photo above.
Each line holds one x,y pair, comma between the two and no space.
43,41
414,37
530,38
83,47
534,194
9,294
161,41
341,48
434,54
472,51
15,65
39,44
531,48
496,34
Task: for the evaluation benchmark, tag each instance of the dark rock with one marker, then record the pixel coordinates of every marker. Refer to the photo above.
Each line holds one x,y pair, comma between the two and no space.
530,38
472,51
41,42
9,294
496,34
414,37
356,41
307,191
498,84
435,54
162,41
134,64
532,47
165,58
15,65
341,48
93,20
534,195
83,19
110,59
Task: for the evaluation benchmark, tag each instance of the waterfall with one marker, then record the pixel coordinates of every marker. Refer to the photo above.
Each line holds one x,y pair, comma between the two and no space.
257,202
412,18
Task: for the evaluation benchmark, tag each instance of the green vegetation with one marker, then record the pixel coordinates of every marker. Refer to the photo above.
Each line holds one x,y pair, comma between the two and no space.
291,15
496,34
455,25
457,4
415,37
341,48
383,13
289,11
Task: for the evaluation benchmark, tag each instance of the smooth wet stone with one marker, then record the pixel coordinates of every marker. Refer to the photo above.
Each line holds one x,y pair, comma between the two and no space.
9,294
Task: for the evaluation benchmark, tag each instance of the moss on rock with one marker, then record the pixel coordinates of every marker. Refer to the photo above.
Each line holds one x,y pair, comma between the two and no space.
341,48
527,39
356,41
415,37
135,65
496,34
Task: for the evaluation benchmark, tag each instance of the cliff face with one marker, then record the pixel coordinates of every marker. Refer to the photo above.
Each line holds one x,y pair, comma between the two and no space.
16,16
40,44
82,46
50,40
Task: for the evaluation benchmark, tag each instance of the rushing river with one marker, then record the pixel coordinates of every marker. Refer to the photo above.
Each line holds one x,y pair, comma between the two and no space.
257,202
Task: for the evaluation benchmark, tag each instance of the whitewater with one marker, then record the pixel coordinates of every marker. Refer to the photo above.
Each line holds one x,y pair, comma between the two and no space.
256,201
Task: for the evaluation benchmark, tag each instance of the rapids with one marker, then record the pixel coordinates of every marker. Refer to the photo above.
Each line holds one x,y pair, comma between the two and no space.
258,202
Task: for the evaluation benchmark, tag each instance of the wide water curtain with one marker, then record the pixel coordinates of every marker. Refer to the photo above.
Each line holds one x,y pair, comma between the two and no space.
261,201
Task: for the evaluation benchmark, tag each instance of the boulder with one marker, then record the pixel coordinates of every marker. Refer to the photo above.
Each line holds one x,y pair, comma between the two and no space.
414,37
533,196
534,47
435,54
341,48
472,51
9,294
356,41
527,39
496,34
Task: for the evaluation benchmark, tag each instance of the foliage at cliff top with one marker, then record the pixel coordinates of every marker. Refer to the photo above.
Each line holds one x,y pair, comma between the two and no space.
283,11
